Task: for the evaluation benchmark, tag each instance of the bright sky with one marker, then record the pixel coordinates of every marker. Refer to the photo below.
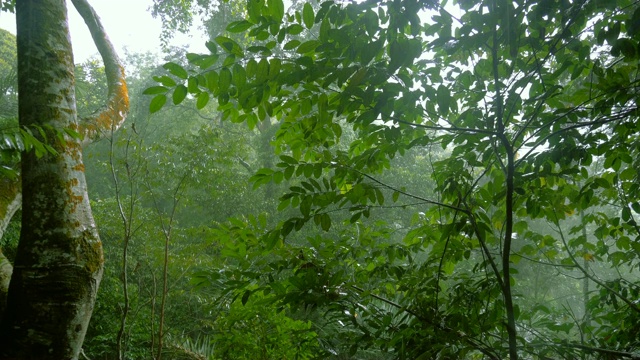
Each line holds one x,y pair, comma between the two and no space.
127,22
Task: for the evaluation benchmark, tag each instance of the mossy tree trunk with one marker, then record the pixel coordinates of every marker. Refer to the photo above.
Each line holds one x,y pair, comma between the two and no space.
59,260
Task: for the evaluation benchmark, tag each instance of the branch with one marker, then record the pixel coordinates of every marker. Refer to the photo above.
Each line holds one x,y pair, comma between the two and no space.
591,277
111,116
476,344
615,117
591,349
432,202
443,128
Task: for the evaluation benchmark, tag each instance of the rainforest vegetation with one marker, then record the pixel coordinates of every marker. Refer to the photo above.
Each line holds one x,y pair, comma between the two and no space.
378,179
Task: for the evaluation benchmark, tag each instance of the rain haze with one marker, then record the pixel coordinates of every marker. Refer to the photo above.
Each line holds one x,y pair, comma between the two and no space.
128,23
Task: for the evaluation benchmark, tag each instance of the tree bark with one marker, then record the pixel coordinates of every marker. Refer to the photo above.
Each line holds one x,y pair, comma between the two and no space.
59,261
111,116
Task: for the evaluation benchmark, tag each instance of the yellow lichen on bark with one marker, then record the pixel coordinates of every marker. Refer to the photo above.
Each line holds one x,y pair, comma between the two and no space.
113,114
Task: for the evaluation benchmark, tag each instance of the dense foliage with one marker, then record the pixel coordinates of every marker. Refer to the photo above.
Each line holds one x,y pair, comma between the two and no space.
413,180
533,107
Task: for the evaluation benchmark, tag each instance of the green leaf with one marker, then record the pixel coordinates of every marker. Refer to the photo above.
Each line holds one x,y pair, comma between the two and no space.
274,29
245,297
272,240
288,159
325,222
295,29
239,75
229,45
224,79
307,15
192,85
239,26
276,9
179,94
305,206
284,203
288,172
254,9
251,68
371,22
278,176
626,47
291,45
287,227
308,46
155,90
444,99
379,197
176,70
211,46
165,80
274,68
157,103
212,80
633,23
355,217
262,72
603,183
202,100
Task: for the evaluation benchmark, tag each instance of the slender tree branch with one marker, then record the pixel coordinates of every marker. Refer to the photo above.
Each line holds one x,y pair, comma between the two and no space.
444,128
471,341
591,349
500,123
544,263
167,227
613,118
444,252
110,117
590,276
390,187
485,249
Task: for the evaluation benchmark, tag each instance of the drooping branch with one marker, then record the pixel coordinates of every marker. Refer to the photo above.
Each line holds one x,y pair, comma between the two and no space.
475,343
590,350
588,274
400,191
112,115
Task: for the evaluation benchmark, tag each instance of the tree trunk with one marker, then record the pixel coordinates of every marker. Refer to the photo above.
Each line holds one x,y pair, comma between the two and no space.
59,261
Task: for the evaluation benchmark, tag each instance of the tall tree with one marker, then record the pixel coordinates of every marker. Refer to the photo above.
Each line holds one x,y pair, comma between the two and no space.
59,261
